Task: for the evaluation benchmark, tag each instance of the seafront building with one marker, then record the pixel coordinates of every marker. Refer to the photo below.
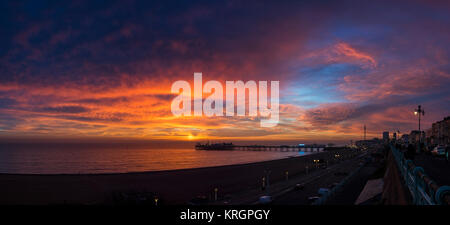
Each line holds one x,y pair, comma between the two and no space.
439,132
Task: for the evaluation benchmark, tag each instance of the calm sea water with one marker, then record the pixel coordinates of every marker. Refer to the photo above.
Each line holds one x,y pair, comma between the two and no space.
106,160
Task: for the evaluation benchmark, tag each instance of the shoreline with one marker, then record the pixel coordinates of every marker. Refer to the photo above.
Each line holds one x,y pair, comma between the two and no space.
170,186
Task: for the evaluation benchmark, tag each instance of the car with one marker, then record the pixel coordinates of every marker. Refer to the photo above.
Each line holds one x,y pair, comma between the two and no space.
438,151
299,187
266,199
323,191
312,199
427,150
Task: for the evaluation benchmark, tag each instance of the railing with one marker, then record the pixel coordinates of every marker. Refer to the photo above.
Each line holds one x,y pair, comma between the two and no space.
423,189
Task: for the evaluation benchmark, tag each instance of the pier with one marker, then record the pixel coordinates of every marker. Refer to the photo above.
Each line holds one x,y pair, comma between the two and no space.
280,148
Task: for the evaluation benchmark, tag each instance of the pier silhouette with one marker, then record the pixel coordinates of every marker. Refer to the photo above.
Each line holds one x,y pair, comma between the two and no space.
281,148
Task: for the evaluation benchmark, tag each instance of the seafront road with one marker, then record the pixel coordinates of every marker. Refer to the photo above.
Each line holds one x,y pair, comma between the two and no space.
286,192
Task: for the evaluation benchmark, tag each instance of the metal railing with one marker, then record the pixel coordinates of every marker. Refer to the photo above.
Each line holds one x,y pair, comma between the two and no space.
423,189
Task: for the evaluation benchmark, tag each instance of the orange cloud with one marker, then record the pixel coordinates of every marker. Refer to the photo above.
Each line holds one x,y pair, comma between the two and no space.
344,49
340,52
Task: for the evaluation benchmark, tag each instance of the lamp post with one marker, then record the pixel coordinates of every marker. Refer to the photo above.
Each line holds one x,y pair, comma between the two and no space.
420,112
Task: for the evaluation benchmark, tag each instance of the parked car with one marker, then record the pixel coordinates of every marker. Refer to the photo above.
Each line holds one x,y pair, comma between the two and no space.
299,187
265,199
323,191
438,151
312,199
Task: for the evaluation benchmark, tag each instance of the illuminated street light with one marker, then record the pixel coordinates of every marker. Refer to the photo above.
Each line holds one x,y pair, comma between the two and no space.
419,111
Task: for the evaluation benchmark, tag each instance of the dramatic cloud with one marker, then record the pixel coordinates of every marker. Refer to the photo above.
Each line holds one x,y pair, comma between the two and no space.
104,69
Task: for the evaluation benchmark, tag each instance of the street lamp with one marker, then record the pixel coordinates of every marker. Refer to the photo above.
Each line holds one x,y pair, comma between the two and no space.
420,112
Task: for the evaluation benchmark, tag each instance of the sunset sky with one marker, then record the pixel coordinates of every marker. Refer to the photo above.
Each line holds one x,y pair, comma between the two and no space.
104,69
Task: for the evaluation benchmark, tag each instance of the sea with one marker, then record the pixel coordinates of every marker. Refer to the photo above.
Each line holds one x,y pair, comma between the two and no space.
61,159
